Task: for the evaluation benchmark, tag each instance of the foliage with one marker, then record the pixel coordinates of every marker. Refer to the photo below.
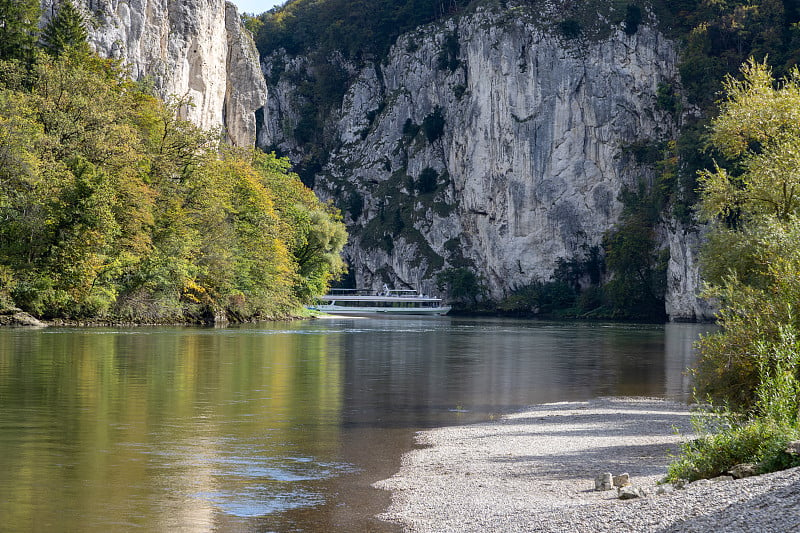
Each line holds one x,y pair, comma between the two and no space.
356,28
724,34
731,441
633,17
727,439
448,57
67,29
433,125
539,298
573,291
464,287
666,98
752,263
427,181
113,207
570,28
19,28
637,288
410,129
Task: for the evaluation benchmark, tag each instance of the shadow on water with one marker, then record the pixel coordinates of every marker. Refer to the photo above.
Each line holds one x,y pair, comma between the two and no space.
284,426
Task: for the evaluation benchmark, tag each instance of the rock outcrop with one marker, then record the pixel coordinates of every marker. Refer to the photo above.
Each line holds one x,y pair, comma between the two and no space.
18,318
192,51
683,301
540,134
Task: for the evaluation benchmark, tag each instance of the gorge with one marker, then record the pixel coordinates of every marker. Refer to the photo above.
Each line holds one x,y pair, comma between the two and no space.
492,140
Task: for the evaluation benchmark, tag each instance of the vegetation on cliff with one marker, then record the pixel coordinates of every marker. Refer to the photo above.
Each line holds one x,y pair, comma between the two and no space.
114,208
715,36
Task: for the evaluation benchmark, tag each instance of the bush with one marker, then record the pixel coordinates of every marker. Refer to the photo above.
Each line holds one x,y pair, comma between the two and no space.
433,125
730,441
570,28
462,285
448,57
539,297
666,99
410,129
427,181
633,17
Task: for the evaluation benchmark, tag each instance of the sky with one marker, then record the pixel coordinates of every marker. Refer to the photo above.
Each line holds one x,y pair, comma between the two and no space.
256,6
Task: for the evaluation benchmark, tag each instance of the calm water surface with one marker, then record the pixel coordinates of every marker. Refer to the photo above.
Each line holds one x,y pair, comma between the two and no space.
278,427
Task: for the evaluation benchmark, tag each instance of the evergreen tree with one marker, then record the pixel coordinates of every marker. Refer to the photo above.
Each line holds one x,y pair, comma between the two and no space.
67,29
18,28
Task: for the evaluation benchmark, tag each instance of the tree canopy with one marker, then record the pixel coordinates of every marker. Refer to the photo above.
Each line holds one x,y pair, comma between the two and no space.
67,29
752,260
19,28
113,207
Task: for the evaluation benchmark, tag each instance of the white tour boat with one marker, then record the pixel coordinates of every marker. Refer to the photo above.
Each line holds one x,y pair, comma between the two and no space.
389,301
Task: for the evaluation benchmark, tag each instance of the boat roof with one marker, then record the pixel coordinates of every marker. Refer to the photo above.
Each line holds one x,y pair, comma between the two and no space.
378,298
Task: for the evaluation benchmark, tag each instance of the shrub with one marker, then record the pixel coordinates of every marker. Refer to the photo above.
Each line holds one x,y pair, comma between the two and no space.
633,17
427,181
539,297
410,129
570,28
666,99
730,441
433,125
462,284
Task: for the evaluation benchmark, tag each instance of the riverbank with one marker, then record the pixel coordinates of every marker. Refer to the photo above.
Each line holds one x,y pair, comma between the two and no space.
535,470
14,317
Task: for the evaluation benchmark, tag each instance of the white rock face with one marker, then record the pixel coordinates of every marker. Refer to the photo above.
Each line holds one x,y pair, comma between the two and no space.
683,302
534,154
191,49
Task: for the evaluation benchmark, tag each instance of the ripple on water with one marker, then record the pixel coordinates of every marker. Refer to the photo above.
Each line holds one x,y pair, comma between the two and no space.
252,502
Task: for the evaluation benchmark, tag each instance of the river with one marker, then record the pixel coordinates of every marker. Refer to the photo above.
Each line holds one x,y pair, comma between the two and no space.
281,426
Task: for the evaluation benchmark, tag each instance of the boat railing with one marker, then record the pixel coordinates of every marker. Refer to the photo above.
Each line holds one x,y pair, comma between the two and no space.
407,293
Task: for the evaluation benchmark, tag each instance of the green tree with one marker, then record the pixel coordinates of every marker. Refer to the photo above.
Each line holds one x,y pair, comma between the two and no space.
638,267
433,125
462,285
113,207
67,29
752,261
19,27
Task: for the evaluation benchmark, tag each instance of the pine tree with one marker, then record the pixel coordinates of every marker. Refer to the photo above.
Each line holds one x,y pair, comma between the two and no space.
18,28
67,29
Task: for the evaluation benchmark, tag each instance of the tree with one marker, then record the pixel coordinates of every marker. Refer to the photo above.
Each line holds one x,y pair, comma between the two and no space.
113,207
462,285
639,268
67,29
752,261
19,26
427,181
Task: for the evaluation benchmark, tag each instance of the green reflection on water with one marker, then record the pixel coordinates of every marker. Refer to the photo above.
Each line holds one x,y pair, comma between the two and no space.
260,428
98,426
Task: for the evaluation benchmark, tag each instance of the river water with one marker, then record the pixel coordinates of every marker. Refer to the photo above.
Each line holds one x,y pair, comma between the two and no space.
281,426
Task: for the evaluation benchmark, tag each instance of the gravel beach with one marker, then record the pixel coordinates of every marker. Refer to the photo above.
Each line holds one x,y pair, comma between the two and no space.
535,470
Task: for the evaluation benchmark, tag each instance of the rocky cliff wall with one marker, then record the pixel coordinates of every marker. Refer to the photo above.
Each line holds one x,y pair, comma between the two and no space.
195,49
538,139
684,285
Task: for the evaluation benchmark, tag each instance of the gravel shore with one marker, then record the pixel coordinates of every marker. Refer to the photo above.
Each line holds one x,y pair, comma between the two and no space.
535,470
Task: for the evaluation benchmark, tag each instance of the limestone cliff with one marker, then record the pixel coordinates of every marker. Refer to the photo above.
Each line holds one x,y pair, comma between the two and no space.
191,50
683,302
488,140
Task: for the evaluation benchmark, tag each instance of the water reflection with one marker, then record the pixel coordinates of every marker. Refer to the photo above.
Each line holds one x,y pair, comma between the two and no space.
283,426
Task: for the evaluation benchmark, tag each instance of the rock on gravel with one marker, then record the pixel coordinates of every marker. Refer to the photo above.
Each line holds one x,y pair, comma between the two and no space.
535,471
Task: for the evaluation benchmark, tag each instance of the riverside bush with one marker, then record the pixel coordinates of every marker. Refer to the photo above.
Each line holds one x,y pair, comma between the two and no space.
752,266
732,442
